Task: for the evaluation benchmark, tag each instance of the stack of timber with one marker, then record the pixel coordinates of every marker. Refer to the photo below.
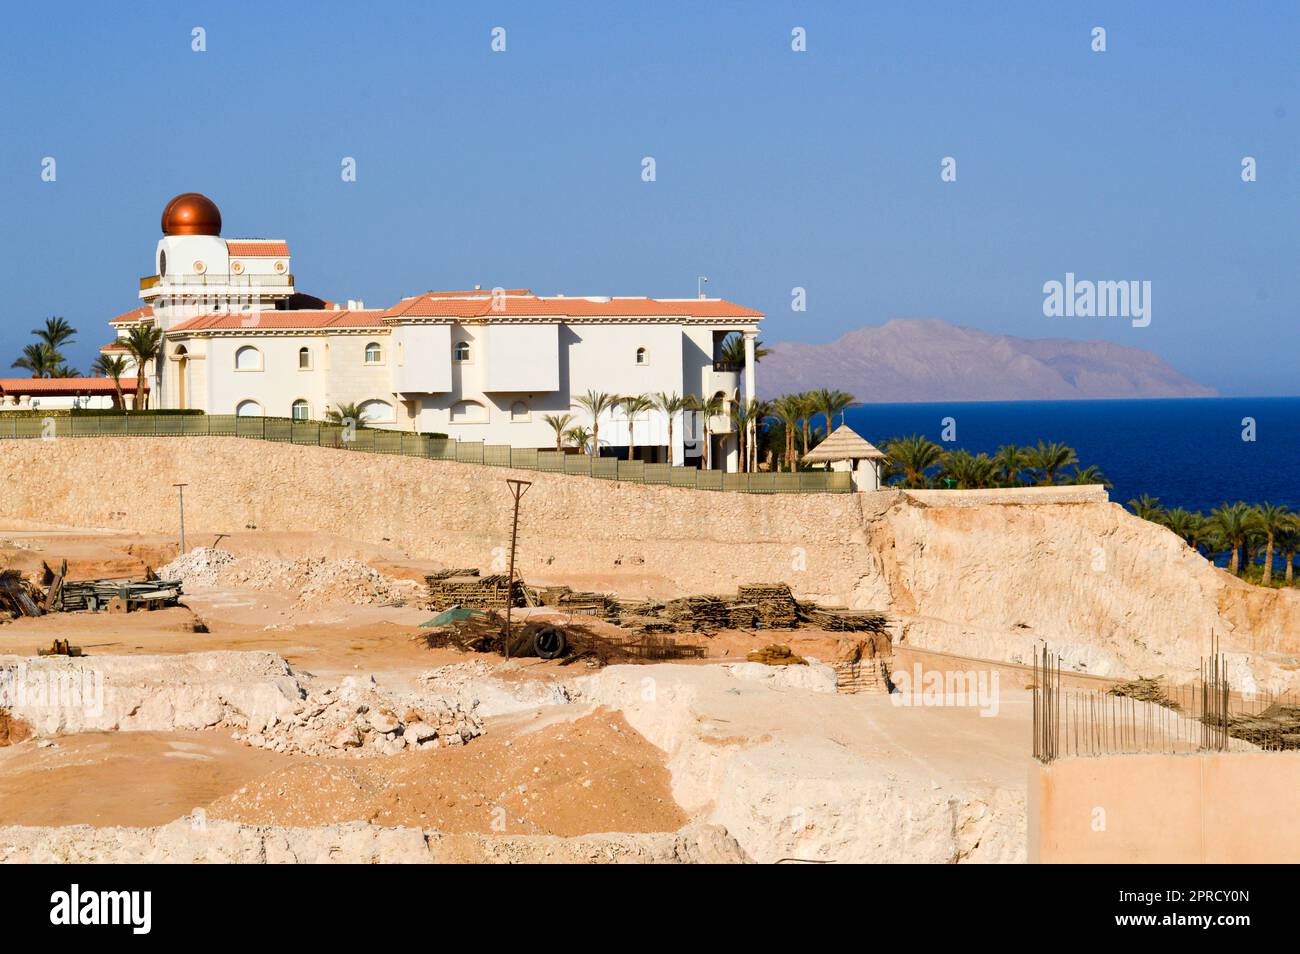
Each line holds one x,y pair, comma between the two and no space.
774,605
117,595
574,601
467,588
837,619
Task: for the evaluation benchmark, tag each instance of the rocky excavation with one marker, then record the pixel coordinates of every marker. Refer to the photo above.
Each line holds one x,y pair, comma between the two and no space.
293,707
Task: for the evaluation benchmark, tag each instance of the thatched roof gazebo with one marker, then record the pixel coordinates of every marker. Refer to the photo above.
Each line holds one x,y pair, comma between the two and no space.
850,451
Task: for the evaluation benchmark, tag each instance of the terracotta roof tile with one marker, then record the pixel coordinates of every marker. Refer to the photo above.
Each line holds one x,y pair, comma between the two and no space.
257,248
143,313
281,321
525,304
65,386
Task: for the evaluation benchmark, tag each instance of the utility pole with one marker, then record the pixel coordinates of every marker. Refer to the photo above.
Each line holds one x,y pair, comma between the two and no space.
518,488
180,489
700,282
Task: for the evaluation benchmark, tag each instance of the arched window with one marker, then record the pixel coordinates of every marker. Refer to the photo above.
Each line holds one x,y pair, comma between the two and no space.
642,356
301,410
248,358
304,359
376,412
468,412
249,409
462,351
519,412
374,353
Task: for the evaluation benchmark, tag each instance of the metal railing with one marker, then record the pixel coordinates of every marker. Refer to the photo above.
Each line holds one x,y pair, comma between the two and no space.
408,444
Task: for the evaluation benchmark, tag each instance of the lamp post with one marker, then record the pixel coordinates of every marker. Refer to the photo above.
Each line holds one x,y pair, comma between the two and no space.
700,282
517,488
180,490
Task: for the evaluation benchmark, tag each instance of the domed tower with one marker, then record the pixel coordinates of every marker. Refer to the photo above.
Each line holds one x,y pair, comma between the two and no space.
200,273
191,213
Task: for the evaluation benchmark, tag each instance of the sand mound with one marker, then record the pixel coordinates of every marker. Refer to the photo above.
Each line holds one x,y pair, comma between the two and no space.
314,580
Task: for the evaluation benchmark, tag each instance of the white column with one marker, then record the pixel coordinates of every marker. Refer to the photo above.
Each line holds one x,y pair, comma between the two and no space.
750,451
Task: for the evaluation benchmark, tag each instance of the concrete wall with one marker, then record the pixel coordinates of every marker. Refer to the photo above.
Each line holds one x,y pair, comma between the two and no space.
1237,808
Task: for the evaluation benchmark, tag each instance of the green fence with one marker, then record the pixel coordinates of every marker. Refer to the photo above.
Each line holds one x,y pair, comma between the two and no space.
409,444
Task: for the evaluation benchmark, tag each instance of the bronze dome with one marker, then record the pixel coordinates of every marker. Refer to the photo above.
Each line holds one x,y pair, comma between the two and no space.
191,214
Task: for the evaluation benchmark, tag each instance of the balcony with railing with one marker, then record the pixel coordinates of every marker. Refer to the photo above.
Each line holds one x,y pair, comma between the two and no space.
149,282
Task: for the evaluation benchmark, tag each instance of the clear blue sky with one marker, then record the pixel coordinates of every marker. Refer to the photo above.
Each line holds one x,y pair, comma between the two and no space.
775,169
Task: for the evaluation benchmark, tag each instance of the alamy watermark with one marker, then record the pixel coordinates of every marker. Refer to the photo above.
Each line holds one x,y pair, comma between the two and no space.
971,689
23,688
1105,299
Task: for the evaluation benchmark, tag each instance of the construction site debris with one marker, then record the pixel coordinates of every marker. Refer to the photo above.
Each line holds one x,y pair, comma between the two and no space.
467,588
315,580
1145,689
17,596
483,631
755,606
61,647
862,675
1277,727
360,719
776,654
837,619
114,596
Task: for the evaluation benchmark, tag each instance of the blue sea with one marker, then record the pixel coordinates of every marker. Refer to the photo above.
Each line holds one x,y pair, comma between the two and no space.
1188,452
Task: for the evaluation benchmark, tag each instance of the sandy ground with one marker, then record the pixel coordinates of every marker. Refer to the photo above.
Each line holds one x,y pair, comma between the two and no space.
562,770
530,775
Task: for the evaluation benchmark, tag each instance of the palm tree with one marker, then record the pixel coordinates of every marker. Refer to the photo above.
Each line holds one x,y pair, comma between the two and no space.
597,403
969,472
61,370
671,405
1148,508
1232,524
579,436
706,409
1088,475
112,366
142,342
1179,521
807,408
1288,542
1199,531
788,408
560,424
1049,460
1010,460
914,456
745,414
829,403
344,412
632,405
733,350
1270,520
56,333
40,359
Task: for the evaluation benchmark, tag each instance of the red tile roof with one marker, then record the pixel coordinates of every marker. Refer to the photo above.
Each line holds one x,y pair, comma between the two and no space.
115,346
281,321
522,303
65,386
257,248
143,313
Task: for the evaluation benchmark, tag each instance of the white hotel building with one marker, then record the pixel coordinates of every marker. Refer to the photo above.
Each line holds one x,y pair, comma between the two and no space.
485,364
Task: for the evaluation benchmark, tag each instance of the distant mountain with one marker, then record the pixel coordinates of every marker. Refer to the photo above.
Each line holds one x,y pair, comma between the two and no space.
928,360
